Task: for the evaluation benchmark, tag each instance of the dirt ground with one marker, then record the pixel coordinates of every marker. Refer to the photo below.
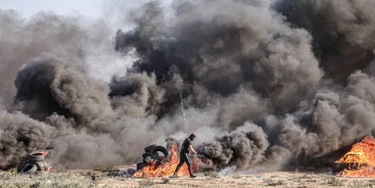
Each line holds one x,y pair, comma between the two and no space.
269,179
103,179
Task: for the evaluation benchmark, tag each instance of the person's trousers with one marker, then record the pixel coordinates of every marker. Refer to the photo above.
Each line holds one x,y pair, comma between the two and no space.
184,157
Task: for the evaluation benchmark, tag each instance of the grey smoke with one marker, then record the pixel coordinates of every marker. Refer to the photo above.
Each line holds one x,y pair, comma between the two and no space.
266,84
208,47
342,31
68,86
136,95
20,135
73,38
221,52
245,145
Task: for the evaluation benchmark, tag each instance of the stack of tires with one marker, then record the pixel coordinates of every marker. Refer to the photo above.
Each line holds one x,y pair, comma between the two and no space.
33,164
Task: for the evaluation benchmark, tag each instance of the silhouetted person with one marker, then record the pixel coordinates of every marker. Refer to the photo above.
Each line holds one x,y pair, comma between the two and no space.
184,155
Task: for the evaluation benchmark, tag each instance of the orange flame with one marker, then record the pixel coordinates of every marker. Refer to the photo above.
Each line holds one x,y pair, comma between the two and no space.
166,167
45,153
360,160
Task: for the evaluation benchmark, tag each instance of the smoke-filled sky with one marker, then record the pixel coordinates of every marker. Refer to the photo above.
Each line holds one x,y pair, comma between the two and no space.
265,84
90,8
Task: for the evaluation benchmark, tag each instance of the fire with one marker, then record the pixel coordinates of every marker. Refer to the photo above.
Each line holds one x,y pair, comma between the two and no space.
45,153
166,167
360,160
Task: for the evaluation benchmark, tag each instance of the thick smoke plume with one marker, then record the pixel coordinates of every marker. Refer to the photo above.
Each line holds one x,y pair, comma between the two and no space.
265,83
342,32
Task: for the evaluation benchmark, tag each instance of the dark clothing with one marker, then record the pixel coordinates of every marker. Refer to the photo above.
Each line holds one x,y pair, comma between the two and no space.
184,156
185,146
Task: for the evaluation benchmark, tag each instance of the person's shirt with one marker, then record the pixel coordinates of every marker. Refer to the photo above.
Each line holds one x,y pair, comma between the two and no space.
185,145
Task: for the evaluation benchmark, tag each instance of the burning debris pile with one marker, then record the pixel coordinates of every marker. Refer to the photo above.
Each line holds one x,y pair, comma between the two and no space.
360,160
153,154
156,165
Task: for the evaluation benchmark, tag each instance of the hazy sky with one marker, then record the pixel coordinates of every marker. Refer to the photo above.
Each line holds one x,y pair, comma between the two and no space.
89,8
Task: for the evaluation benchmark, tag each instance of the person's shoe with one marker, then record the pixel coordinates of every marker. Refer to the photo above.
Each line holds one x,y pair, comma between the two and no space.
193,176
174,176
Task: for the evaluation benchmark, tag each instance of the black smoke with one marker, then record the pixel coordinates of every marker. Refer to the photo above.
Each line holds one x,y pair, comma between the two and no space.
341,32
265,83
290,75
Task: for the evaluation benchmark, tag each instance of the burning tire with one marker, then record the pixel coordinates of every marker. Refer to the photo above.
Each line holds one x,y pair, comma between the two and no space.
147,159
163,162
159,152
149,148
152,153
338,167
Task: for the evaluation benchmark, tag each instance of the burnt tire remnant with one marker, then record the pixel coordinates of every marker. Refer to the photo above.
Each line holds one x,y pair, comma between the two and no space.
338,167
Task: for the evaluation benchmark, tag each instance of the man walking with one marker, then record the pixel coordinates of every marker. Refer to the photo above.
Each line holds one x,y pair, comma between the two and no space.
184,155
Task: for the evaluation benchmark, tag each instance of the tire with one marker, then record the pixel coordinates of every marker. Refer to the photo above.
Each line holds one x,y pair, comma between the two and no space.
147,160
42,165
149,148
157,149
140,166
21,165
36,156
29,169
158,155
146,155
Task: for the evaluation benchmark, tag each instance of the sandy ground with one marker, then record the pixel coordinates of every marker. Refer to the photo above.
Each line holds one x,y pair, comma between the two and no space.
270,179
105,179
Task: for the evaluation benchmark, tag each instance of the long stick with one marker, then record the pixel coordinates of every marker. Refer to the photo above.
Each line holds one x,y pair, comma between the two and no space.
183,112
